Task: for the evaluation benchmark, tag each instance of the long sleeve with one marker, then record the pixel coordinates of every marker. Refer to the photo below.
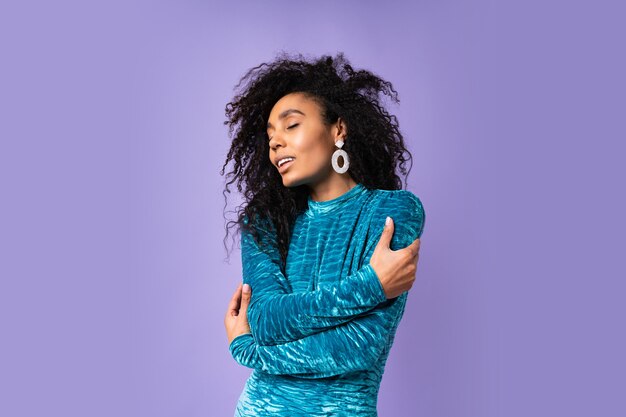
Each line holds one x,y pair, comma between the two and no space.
276,315
353,345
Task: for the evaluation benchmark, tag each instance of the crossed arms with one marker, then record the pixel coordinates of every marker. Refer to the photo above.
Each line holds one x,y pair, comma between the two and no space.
333,330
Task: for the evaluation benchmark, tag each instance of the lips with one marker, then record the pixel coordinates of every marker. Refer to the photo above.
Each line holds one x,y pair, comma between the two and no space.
279,158
285,166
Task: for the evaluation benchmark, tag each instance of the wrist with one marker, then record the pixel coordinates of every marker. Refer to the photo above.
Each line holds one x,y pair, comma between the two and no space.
230,342
376,284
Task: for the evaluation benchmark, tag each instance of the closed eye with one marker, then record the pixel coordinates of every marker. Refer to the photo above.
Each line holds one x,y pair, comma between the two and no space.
289,127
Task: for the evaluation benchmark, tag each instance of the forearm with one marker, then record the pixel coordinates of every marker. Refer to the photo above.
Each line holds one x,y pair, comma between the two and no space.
353,346
276,318
277,315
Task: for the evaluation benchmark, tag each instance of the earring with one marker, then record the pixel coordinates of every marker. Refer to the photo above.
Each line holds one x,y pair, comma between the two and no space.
340,152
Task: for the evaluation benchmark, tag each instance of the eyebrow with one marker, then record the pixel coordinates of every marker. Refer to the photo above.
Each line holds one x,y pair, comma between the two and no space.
285,114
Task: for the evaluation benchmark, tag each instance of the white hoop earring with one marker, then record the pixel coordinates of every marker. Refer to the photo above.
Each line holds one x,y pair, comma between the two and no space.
340,152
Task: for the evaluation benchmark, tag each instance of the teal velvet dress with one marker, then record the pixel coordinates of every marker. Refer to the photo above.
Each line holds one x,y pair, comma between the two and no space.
321,332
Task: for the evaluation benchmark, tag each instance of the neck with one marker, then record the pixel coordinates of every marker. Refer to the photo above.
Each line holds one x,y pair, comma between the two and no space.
331,187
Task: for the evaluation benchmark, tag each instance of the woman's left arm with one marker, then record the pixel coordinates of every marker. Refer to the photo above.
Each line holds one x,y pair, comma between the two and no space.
276,315
353,346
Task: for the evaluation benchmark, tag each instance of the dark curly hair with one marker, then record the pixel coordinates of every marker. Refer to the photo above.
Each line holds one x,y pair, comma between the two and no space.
375,145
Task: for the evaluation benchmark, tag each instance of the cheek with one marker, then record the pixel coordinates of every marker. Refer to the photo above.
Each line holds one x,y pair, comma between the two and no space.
313,149
315,155
312,145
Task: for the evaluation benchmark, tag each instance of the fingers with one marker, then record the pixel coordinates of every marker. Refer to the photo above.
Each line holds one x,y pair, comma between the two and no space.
414,248
245,298
387,233
233,305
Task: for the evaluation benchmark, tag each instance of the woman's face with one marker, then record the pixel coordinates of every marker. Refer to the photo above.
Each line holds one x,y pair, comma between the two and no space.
295,129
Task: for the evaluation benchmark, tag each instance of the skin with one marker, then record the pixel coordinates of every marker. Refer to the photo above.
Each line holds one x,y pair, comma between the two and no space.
306,138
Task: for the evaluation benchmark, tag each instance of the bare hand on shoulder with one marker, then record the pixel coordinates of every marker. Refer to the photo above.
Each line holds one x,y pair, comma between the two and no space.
395,269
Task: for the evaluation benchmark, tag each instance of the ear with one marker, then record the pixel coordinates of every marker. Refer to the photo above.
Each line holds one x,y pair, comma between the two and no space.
341,129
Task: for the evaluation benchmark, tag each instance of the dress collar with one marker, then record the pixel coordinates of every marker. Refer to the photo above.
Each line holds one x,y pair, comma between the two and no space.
321,207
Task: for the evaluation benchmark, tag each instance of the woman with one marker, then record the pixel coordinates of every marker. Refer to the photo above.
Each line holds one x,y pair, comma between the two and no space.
327,281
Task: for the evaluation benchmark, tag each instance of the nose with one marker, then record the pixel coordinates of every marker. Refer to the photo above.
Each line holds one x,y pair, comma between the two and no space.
276,140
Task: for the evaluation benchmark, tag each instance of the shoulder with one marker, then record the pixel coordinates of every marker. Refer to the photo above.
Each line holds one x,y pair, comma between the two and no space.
406,210
402,203
259,232
262,226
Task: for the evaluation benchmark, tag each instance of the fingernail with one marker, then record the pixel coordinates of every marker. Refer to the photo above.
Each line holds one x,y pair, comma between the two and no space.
246,288
387,221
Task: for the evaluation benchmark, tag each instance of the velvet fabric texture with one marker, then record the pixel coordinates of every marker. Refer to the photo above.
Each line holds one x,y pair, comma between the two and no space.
322,331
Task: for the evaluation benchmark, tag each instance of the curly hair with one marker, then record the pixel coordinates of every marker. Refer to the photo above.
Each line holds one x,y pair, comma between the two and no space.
375,145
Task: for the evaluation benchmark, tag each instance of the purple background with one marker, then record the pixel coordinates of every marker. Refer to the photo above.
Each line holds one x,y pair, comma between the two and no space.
114,278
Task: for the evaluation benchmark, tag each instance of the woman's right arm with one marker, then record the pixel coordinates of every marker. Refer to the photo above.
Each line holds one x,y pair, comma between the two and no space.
276,315
353,346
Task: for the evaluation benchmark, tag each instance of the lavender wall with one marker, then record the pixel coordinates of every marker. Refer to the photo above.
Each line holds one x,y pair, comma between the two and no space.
114,272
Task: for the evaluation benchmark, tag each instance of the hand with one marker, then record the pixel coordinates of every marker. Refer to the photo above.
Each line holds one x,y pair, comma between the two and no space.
395,269
236,320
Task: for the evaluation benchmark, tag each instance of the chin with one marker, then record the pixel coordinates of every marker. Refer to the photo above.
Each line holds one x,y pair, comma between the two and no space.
290,182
